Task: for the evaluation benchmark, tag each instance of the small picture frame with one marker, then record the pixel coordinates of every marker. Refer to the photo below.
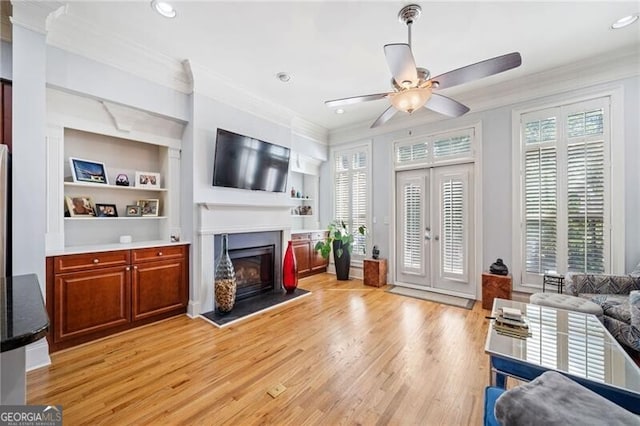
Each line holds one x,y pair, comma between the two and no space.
106,210
148,180
134,211
149,207
88,171
80,206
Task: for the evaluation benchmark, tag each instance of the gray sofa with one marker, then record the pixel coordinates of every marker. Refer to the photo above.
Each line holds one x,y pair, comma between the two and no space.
619,297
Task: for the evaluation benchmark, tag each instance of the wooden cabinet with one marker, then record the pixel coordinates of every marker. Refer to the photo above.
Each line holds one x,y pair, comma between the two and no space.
92,295
495,286
90,302
6,112
154,288
309,261
375,272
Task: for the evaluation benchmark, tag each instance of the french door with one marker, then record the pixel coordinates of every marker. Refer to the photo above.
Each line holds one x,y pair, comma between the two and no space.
435,234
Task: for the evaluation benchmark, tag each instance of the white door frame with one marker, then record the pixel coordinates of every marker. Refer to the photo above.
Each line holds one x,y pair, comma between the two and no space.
477,205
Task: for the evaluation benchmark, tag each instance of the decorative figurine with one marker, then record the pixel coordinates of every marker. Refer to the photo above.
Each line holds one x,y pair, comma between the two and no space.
498,268
293,192
375,253
122,180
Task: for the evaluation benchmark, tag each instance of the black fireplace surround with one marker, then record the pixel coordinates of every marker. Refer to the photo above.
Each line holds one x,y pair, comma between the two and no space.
254,256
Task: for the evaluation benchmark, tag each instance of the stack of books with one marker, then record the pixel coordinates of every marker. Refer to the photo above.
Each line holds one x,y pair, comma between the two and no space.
511,322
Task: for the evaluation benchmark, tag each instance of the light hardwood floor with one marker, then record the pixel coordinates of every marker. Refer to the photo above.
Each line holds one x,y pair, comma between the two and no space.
347,354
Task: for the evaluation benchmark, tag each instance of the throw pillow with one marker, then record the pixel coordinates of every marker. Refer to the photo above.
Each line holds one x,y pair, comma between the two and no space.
634,305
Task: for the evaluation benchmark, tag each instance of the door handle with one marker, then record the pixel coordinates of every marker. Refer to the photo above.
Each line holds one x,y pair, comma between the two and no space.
437,238
427,234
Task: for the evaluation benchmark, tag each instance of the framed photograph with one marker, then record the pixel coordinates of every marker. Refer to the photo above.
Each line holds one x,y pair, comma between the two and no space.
148,180
80,206
149,207
134,211
88,171
106,210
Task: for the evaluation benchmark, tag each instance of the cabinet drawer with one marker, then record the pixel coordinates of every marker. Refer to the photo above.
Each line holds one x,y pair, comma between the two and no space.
299,237
80,262
317,236
157,253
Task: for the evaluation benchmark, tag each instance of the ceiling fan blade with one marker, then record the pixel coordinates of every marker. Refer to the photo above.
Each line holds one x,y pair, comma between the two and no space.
384,117
446,106
355,100
478,70
401,63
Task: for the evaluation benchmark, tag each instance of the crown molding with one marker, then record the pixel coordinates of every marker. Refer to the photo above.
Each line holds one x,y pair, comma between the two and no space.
309,130
617,65
78,36
36,15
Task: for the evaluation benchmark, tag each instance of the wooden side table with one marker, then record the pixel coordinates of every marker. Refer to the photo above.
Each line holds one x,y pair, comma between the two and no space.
495,286
375,272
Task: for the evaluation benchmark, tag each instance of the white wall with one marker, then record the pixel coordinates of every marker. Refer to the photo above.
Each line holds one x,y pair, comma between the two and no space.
5,60
496,176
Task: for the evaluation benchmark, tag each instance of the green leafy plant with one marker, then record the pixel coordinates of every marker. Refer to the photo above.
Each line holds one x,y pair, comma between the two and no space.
338,231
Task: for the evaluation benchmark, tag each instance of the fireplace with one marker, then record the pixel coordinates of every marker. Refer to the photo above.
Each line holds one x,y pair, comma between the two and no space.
254,268
257,260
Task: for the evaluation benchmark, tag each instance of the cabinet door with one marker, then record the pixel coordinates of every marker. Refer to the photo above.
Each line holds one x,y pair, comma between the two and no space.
317,261
87,303
301,250
158,288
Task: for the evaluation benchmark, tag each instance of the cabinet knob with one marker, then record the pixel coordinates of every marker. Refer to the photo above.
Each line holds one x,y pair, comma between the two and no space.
96,260
127,268
135,267
159,253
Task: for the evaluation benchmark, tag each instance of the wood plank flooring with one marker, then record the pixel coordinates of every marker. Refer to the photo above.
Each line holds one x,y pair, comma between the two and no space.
347,354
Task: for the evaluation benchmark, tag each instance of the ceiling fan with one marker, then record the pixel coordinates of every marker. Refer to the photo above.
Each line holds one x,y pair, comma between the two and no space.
413,87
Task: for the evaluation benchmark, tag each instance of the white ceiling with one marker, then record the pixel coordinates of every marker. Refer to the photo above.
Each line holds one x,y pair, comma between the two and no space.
333,49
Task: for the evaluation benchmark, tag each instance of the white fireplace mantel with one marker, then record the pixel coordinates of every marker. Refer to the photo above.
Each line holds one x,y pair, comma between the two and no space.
220,218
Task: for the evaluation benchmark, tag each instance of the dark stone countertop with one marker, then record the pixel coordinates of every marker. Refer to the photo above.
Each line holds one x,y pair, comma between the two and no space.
23,317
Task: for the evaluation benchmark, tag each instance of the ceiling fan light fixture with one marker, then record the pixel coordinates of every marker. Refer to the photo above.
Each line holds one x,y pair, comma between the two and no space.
411,99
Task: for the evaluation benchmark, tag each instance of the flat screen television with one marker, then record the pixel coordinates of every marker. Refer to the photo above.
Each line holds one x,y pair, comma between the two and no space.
247,163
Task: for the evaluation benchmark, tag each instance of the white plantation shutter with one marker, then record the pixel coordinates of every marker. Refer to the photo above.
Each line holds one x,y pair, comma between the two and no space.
454,145
540,209
586,192
351,203
453,236
412,245
565,190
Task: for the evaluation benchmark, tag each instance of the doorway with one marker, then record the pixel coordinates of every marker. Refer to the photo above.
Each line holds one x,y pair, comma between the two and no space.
435,229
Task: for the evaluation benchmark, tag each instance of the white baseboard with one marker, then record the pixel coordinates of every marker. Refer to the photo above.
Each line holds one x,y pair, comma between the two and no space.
193,309
38,355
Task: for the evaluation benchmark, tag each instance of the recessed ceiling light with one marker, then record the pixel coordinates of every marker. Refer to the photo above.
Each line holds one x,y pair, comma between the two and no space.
339,111
163,8
623,22
283,77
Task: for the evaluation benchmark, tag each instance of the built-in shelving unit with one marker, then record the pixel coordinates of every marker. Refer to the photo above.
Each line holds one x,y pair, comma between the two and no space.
304,181
126,141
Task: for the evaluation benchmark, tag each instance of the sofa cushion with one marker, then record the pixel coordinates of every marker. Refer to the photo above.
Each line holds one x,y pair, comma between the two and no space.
634,308
623,332
564,301
613,305
636,271
553,399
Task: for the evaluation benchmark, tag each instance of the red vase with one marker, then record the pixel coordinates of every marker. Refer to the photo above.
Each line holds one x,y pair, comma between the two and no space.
289,270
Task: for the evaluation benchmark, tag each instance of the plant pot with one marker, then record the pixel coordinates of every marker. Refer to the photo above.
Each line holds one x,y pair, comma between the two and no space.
342,263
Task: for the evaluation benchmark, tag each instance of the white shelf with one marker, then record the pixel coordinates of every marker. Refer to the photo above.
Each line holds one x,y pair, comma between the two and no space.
302,215
115,218
301,199
103,186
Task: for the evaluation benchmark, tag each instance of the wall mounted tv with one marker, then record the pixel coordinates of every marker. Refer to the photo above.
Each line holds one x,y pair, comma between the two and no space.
248,163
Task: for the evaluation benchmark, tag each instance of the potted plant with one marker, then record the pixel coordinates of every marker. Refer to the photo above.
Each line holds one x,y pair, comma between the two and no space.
340,240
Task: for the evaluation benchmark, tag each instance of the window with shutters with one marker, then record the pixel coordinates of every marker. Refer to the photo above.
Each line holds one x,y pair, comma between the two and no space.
565,195
352,203
432,149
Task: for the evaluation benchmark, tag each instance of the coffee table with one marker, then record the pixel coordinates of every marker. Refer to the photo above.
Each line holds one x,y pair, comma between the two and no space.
572,343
